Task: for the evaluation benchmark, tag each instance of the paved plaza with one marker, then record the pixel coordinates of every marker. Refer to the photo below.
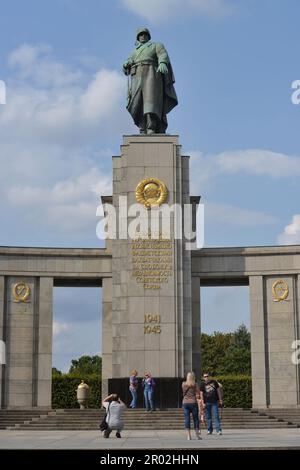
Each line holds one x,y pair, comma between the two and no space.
231,439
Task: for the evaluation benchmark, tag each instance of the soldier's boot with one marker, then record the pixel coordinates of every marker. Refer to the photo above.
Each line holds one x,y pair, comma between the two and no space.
151,123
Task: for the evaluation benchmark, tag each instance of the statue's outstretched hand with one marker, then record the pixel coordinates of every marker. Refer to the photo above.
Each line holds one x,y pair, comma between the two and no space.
163,68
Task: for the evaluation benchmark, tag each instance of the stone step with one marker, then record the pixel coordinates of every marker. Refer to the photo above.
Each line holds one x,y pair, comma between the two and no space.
134,419
279,413
146,426
150,420
136,428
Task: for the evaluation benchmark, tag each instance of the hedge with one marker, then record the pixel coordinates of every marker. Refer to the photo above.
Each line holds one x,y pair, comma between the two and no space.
64,391
237,390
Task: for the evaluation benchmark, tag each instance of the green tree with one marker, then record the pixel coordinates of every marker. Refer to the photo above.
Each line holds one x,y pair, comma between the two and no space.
213,348
227,353
237,358
56,372
86,365
242,338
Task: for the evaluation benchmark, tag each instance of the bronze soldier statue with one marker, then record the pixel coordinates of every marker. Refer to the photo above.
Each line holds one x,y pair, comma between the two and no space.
151,93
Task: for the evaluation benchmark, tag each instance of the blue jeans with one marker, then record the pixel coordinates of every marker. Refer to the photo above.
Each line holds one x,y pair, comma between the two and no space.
134,398
189,408
212,414
149,404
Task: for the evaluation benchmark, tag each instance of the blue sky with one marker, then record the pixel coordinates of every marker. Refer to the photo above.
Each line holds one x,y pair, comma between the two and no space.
234,63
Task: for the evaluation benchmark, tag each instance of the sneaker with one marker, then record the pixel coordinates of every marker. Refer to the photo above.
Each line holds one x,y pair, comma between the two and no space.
118,435
209,432
219,433
106,434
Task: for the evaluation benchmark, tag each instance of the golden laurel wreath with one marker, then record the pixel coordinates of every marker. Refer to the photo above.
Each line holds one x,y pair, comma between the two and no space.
280,290
21,292
151,192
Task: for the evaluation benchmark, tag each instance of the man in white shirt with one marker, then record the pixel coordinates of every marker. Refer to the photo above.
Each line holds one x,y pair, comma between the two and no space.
115,408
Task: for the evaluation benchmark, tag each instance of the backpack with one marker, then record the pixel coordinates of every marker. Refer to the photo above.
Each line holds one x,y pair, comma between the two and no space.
104,425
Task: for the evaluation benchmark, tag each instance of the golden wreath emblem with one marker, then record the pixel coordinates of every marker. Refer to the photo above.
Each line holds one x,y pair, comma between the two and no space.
280,290
21,292
151,192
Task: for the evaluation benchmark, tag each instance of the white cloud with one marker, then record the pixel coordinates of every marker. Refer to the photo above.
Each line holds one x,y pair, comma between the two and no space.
53,165
64,191
35,63
68,205
259,162
291,233
84,338
236,216
256,162
48,100
59,328
167,10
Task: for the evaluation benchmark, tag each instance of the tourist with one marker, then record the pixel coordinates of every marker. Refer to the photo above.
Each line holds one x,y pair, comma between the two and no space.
114,414
148,384
191,394
133,385
212,398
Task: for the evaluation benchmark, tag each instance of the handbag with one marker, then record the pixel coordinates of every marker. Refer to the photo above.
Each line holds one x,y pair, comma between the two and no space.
104,425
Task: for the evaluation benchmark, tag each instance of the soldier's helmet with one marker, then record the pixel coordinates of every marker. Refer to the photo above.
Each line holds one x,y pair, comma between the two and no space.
143,30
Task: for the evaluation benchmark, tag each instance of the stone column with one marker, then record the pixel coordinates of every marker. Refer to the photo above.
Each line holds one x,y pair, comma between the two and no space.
196,322
43,340
106,334
259,344
2,335
297,310
28,343
281,333
274,327
20,345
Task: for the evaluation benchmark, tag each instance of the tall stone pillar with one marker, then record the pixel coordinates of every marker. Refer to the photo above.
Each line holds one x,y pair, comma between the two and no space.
44,328
151,297
2,336
196,327
28,333
259,346
274,328
282,330
106,334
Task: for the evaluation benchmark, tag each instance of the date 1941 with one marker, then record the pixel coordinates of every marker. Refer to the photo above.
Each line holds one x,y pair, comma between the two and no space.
151,324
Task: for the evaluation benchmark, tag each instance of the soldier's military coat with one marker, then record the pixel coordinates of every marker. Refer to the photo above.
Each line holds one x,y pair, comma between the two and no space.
150,91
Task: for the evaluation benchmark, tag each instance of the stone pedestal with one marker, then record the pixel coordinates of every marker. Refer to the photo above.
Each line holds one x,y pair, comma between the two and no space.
151,320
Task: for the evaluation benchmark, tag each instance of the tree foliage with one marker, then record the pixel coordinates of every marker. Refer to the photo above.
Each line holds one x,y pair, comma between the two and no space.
227,353
64,391
56,372
237,390
86,365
